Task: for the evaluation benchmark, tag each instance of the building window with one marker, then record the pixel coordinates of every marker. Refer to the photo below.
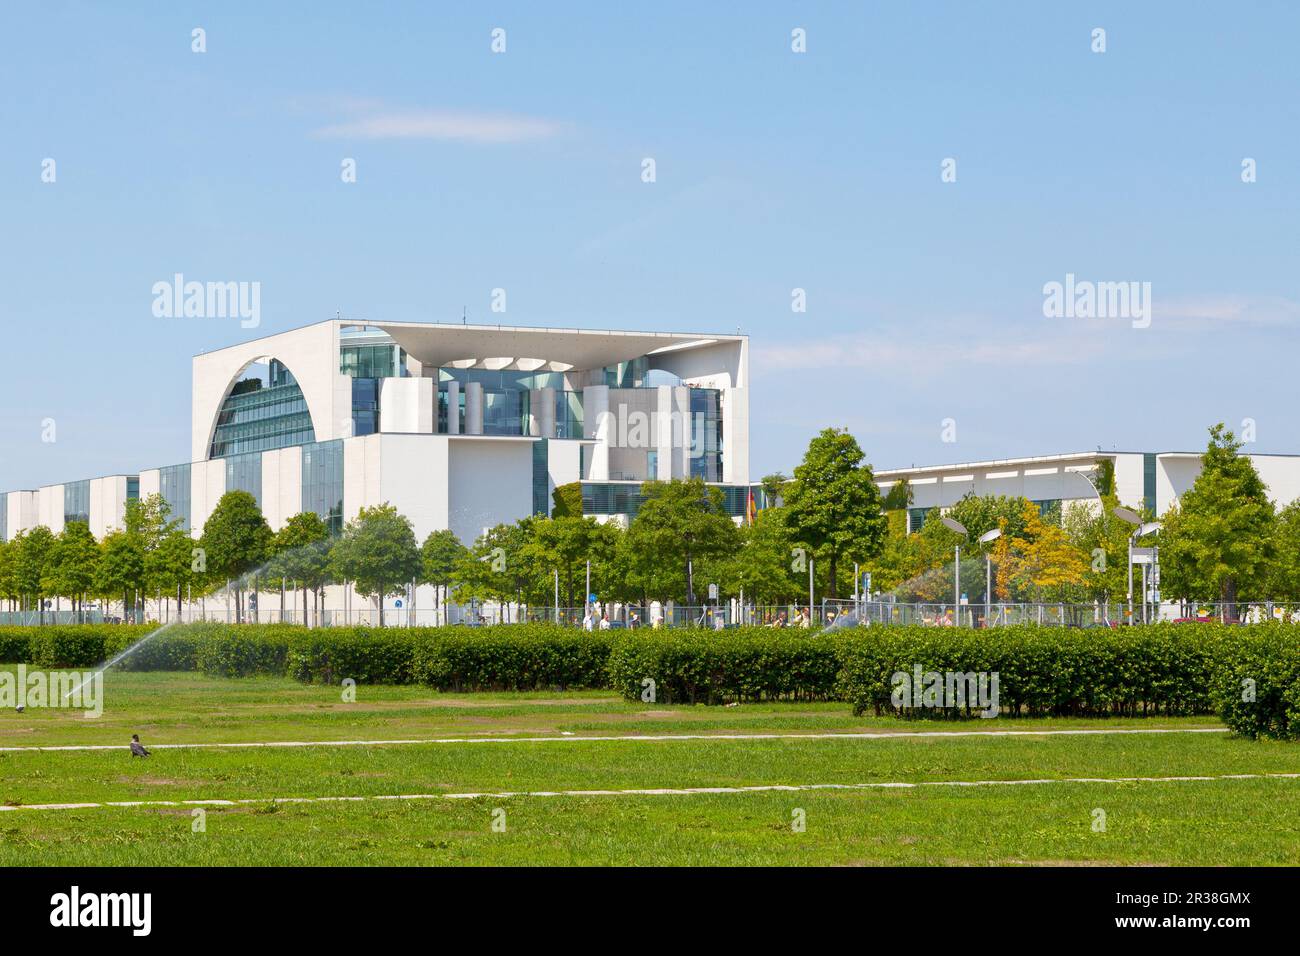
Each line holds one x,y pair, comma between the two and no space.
262,415
541,478
915,519
174,486
365,406
244,473
372,361
322,482
1149,482
76,502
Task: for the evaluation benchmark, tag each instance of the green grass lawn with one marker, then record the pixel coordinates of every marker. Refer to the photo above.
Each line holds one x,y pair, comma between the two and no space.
1255,821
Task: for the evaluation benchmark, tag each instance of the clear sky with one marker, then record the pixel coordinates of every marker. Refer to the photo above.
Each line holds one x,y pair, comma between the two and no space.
775,170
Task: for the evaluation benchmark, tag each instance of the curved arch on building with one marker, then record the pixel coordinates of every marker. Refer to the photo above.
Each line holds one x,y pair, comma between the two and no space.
309,353
270,416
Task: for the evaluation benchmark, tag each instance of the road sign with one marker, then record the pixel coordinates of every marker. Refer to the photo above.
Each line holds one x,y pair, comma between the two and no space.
713,592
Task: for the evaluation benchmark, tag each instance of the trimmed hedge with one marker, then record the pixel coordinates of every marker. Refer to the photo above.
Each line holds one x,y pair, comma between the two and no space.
746,664
1045,672
1248,675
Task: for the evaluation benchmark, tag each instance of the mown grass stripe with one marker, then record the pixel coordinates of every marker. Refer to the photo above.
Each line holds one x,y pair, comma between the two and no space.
648,791
578,738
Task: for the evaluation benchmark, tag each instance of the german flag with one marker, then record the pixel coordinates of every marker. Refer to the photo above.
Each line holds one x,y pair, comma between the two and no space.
750,512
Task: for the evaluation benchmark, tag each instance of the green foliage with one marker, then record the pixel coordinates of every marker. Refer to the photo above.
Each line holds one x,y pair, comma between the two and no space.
899,497
512,657
439,555
1058,672
70,568
236,538
1257,683
568,500
240,650
120,570
377,552
679,524
747,664
1217,542
1284,574
834,504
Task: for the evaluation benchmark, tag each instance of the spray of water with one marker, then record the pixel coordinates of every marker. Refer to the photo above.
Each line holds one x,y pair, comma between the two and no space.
126,653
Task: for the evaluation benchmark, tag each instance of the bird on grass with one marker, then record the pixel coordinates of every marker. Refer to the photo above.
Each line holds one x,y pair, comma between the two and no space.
137,748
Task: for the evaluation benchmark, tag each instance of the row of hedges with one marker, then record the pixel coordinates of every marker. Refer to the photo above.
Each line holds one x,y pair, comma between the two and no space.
1248,675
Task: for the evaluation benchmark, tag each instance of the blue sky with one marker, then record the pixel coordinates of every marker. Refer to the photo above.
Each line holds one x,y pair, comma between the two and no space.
775,171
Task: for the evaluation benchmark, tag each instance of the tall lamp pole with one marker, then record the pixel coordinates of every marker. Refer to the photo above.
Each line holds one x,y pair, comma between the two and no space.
952,524
985,538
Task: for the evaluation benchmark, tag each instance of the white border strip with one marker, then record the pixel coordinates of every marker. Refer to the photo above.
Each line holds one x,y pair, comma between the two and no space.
880,735
647,792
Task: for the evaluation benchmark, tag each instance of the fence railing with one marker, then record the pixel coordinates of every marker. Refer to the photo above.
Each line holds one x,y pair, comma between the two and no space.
618,616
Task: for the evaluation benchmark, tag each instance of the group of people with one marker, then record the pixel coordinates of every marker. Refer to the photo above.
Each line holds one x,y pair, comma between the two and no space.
802,618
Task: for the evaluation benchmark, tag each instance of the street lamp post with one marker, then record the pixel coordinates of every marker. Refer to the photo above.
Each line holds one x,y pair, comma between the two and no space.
985,538
952,524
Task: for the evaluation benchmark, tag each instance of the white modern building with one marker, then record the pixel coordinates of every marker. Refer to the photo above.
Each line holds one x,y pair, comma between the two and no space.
457,426
1150,480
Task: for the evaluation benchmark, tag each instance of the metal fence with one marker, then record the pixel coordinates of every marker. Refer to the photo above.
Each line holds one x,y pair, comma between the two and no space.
726,614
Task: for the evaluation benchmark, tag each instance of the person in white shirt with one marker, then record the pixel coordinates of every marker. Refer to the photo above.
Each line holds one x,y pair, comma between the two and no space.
587,621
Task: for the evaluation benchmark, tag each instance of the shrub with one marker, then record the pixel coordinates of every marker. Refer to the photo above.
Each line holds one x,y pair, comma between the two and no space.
242,650
1059,672
512,657
1257,681
367,655
712,667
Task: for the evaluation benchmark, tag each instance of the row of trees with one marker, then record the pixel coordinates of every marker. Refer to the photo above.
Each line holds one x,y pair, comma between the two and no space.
1224,540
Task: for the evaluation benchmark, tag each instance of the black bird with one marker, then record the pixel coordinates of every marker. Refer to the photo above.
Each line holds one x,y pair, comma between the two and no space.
137,748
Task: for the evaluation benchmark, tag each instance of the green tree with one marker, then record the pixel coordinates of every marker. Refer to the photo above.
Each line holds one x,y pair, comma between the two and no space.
1218,541
34,552
8,575
762,568
439,555
300,555
70,570
835,506
899,496
378,553
681,527
236,540
568,500
120,569
1284,575
169,566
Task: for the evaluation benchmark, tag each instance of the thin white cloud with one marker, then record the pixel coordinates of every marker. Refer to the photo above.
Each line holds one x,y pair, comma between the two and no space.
1225,310
376,122
890,351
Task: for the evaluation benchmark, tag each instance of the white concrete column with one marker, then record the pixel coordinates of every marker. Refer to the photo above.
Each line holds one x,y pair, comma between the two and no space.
453,408
473,408
545,414
597,424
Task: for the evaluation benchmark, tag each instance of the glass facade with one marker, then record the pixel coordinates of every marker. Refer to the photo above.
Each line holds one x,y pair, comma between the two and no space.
258,416
174,486
1149,482
76,502
244,473
706,434
133,488
915,519
322,482
541,478
608,498
365,406
568,414
372,361
627,374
